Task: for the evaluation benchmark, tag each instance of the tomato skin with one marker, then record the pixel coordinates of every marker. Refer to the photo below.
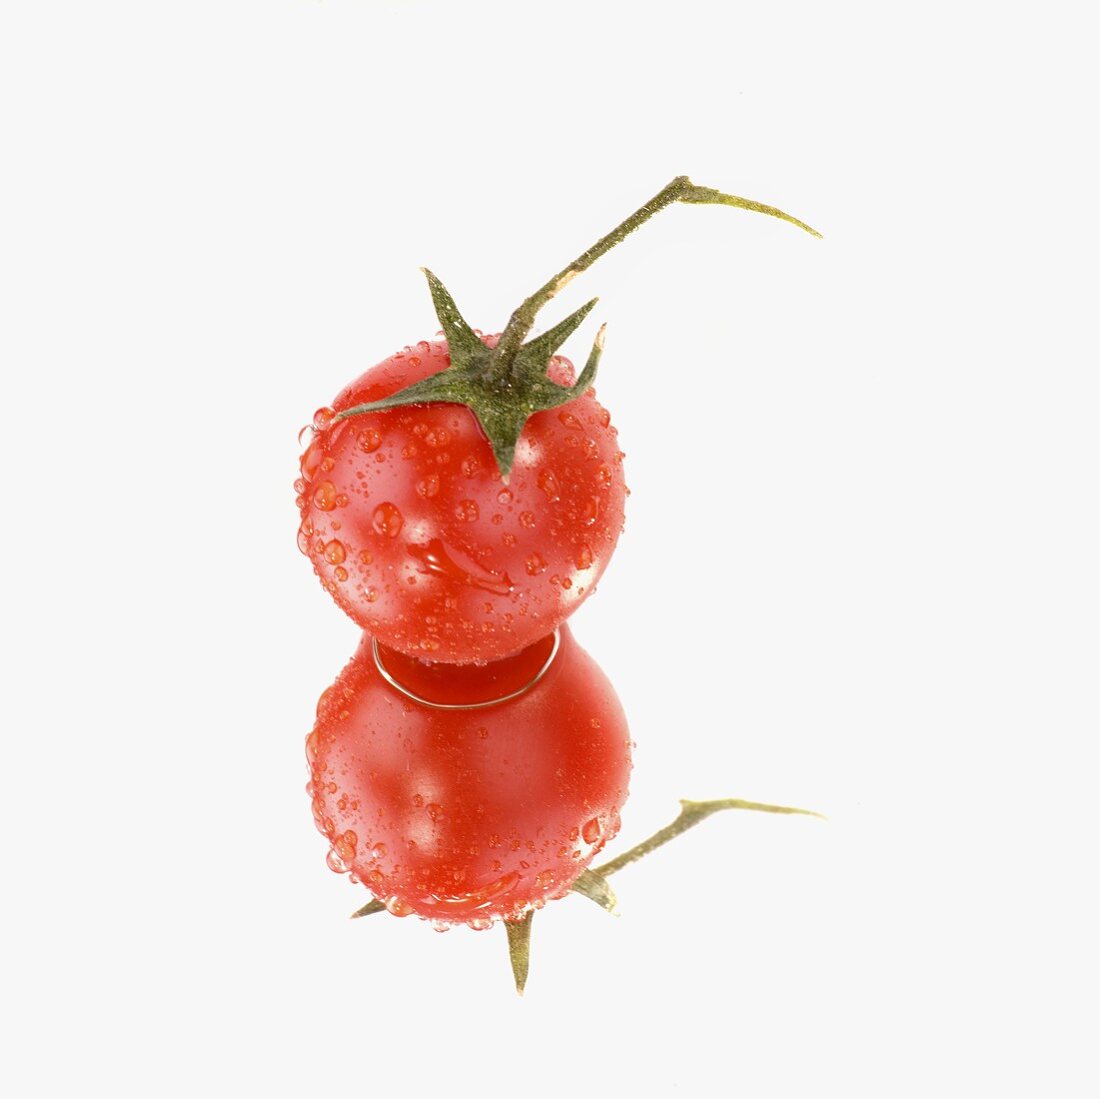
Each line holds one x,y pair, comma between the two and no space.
467,815
413,532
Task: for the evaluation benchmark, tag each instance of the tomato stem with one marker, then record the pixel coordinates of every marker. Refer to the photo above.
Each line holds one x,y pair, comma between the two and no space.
691,814
681,189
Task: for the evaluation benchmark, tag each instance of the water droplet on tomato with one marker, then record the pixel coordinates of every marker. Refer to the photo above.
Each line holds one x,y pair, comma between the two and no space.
439,559
527,518
305,434
467,511
440,925
388,520
603,475
322,417
327,465
479,923
324,497
305,532
568,419
435,811
340,573
397,907
605,418
549,485
544,878
335,863
369,440
437,437
423,347
504,496
534,564
583,558
335,552
378,851
592,830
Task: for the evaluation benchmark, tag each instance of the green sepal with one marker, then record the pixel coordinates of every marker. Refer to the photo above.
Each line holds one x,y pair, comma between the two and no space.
502,404
369,909
519,948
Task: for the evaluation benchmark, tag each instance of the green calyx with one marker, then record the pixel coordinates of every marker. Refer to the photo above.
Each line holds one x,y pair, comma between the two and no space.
504,385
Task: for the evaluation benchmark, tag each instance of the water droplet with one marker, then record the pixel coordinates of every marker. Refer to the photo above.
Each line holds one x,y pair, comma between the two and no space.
423,347
313,743
305,531
305,434
504,496
335,552
479,923
327,465
470,465
603,475
325,496
345,846
437,437
527,518
439,559
583,558
467,511
369,440
592,830
335,863
388,520
483,733
549,485
397,907
544,878
591,510
378,851
534,564
435,811
605,418
340,573
322,417
568,419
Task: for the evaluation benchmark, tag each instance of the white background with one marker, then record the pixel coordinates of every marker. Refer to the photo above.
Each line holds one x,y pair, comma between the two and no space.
859,571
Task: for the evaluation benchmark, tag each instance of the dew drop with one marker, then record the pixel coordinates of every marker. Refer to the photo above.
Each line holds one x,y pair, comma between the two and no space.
583,558
428,486
369,440
534,564
322,417
479,923
388,520
335,552
340,573
304,533
325,496
592,830
335,863
527,518
397,907
549,485
467,511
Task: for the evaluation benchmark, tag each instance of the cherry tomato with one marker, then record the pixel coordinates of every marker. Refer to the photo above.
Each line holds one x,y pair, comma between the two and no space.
473,812
414,533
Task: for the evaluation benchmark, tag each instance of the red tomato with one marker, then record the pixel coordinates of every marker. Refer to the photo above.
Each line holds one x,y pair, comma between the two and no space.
469,813
416,536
